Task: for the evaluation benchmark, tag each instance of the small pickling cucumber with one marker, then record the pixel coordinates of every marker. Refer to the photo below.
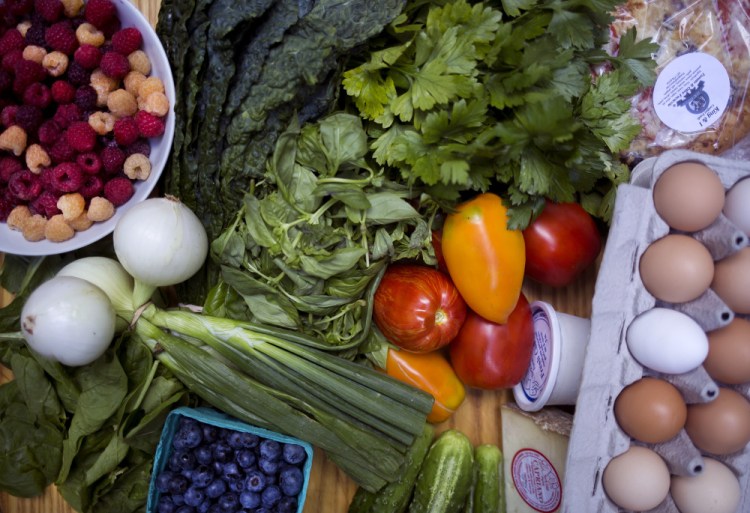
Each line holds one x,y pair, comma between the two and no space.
487,494
445,477
394,497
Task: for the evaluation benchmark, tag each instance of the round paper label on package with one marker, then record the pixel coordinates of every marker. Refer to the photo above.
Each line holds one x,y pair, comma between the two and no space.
537,375
536,480
692,92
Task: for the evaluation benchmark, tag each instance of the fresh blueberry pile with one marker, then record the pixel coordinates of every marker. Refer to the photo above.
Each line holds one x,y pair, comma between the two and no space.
212,469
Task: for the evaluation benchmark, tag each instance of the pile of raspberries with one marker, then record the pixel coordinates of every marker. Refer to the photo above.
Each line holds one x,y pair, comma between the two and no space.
78,106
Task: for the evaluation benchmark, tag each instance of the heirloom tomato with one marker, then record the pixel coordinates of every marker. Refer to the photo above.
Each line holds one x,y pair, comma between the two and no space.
485,259
418,308
560,244
488,355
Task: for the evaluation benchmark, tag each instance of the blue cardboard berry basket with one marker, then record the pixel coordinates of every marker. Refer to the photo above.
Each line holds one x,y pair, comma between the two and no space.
218,419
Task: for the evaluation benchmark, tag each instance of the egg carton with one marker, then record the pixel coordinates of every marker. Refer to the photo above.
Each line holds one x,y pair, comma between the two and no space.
619,297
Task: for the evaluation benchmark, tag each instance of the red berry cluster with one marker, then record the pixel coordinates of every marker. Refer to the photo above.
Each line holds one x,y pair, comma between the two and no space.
63,129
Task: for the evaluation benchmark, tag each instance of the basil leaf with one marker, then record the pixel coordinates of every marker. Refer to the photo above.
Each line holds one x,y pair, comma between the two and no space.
387,207
341,260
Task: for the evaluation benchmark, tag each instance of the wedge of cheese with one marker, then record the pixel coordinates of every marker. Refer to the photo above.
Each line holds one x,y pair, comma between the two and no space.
535,446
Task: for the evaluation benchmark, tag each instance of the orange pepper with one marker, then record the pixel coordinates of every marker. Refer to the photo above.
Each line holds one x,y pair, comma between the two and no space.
432,373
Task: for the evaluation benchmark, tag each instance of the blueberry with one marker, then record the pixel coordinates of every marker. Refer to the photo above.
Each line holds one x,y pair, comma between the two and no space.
245,458
188,474
222,452
178,499
249,500
188,436
236,484
231,471
216,488
165,504
182,460
242,440
177,485
287,505
210,433
185,509
162,481
256,481
290,481
269,466
194,496
202,476
271,496
203,507
262,510
228,502
270,449
204,455
294,454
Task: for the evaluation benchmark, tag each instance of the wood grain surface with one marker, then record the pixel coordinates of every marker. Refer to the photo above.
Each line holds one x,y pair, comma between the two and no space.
330,490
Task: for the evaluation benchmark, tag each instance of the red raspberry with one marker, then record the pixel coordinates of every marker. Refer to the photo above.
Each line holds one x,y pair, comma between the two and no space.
118,190
11,40
8,115
115,65
78,75
141,146
48,132
61,37
127,40
20,7
61,151
66,114
6,80
29,117
67,177
86,98
63,92
50,10
126,131
45,204
89,162
8,166
37,94
6,205
148,124
92,186
100,12
88,56
111,28
27,73
25,185
112,159
11,60
81,136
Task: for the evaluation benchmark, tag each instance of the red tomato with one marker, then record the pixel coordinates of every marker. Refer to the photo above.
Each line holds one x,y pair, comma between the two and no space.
560,244
418,308
488,355
437,246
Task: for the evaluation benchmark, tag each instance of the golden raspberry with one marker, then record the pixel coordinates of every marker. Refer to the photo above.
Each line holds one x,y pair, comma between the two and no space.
150,85
71,205
100,209
34,53
37,158
121,103
23,27
155,103
103,85
137,166
33,228
140,62
133,81
13,139
18,217
56,63
81,222
72,7
87,34
57,229
102,122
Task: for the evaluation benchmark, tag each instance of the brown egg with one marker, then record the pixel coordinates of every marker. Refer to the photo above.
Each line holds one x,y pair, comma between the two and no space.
650,410
689,196
732,280
728,357
676,268
721,426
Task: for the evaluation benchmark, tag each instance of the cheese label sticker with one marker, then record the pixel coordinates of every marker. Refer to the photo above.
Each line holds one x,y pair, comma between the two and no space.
535,380
536,480
692,92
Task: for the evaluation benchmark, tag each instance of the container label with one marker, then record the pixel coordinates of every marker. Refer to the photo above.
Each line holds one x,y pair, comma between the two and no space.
692,92
536,480
537,375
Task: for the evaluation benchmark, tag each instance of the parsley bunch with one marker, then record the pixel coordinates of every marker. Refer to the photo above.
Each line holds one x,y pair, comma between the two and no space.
518,97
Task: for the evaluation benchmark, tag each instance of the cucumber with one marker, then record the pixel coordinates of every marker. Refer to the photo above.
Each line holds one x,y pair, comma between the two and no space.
487,494
394,497
445,477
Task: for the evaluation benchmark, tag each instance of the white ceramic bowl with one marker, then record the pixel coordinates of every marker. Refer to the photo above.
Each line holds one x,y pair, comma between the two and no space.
12,241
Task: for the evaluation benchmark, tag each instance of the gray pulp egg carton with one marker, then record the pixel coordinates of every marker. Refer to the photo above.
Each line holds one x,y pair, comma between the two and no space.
619,297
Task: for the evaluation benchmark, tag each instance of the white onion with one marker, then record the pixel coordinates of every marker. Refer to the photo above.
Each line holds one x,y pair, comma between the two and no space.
160,242
107,274
68,319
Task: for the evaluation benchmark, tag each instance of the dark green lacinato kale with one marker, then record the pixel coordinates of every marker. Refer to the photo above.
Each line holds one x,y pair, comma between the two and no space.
243,71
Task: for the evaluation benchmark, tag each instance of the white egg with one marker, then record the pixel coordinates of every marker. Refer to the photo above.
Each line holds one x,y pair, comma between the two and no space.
737,205
715,490
667,341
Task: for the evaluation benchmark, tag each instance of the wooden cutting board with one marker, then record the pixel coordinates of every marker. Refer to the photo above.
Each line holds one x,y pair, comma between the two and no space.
330,490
